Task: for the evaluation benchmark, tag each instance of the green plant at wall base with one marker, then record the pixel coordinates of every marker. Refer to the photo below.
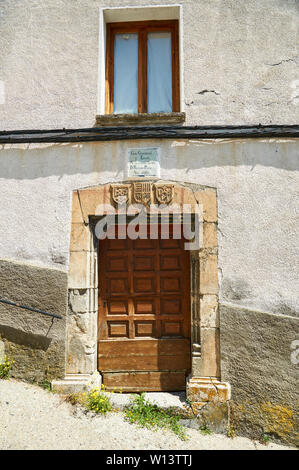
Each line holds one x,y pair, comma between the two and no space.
231,432
98,401
233,421
46,385
205,430
189,402
265,438
5,367
148,415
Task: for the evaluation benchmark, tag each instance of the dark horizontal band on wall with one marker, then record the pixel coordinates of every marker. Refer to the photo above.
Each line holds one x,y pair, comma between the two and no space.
147,132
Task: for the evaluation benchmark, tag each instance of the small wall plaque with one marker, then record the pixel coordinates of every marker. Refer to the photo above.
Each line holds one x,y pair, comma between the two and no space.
144,162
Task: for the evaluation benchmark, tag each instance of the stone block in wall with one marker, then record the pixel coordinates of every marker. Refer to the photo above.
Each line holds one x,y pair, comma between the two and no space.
77,216
207,389
208,274
90,200
208,199
214,415
209,402
183,195
80,237
79,270
209,315
196,365
210,352
210,235
77,383
79,300
81,321
81,351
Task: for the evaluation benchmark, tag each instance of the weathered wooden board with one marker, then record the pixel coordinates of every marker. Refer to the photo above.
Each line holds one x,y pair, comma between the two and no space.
145,381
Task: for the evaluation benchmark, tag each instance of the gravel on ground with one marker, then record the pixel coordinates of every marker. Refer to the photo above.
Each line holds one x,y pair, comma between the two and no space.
35,419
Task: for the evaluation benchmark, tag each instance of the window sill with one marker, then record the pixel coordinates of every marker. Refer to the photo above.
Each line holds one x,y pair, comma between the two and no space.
142,119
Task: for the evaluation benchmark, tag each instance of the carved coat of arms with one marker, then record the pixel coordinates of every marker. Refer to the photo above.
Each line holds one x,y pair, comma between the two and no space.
120,193
164,193
142,193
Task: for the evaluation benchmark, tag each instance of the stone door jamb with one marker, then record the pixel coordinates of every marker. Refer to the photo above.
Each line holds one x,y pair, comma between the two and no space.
81,361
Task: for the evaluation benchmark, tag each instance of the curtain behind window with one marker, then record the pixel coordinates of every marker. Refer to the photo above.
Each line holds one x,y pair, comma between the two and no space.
125,73
159,73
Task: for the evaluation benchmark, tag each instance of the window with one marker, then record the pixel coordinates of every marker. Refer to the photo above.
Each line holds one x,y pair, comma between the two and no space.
142,67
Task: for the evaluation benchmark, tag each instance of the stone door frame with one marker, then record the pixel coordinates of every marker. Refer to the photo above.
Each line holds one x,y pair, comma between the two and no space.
203,383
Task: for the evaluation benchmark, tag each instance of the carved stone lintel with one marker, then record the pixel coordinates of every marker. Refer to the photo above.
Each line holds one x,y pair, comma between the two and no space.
142,192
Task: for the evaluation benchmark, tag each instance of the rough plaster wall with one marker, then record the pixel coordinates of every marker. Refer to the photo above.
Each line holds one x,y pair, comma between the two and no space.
240,61
256,361
34,341
257,185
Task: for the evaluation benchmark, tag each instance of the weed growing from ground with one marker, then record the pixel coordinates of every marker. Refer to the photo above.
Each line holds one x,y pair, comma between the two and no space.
205,430
231,432
98,401
189,402
5,367
265,438
147,415
46,385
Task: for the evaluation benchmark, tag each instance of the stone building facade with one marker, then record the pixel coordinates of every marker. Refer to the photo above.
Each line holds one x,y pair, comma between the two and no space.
238,75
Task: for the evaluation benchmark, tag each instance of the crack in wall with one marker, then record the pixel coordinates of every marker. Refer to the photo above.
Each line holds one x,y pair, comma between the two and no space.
281,62
203,92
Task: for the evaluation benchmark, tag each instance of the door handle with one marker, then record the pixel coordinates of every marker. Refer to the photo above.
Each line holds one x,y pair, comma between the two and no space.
104,303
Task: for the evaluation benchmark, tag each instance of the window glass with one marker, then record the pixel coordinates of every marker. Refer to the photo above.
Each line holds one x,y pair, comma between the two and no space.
159,73
125,73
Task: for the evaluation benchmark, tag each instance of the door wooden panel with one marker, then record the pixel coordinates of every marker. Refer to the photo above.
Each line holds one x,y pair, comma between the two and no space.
144,314
148,381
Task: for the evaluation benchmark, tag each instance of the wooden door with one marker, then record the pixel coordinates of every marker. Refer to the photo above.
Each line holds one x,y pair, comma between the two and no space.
144,314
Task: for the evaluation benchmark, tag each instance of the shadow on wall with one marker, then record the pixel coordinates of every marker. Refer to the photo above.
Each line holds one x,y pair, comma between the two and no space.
238,291
47,160
25,339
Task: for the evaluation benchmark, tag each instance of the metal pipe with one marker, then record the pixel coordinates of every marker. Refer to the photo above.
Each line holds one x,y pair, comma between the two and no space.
53,315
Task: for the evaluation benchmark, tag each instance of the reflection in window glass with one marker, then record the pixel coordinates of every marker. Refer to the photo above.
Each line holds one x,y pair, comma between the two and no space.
159,73
125,88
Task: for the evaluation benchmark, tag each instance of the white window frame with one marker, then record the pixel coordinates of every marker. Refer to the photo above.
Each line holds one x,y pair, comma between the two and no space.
144,13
